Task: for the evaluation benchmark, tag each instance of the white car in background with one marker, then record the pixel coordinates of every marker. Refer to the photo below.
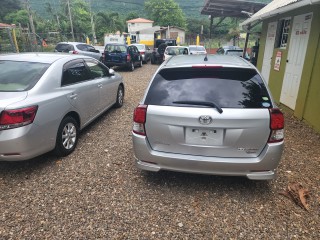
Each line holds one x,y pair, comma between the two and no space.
197,49
175,50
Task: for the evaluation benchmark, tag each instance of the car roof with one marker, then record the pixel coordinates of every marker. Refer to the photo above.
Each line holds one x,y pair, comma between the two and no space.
212,60
73,43
177,47
232,48
39,57
120,44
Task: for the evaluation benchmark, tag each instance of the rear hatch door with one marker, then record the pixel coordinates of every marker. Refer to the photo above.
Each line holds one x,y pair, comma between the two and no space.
208,112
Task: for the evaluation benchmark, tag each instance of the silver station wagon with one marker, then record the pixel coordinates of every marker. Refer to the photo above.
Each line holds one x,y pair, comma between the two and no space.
209,115
46,99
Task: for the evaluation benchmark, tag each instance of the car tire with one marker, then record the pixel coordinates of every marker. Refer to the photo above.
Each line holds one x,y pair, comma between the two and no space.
67,137
152,60
120,97
131,67
141,63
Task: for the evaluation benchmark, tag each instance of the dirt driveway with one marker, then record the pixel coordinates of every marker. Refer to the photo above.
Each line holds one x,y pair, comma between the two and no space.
97,193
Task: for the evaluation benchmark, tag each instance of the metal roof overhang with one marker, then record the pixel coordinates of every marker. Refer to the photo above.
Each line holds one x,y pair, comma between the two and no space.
230,8
274,8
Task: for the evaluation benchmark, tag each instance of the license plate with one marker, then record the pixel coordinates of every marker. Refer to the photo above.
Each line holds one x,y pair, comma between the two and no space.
204,136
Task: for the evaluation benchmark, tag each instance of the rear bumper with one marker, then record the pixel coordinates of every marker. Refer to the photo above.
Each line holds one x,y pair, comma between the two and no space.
118,64
259,168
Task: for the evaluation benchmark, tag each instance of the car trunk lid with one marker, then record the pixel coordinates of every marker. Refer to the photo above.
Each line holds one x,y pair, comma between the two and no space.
186,130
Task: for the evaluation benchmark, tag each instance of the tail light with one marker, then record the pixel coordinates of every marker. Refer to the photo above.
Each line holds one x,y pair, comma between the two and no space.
128,58
139,119
142,53
276,125
17,117
75,52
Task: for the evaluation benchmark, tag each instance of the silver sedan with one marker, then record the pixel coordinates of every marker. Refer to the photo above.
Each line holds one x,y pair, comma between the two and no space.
46,99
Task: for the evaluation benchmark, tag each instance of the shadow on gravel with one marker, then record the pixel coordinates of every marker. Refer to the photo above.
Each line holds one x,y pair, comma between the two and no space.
195,183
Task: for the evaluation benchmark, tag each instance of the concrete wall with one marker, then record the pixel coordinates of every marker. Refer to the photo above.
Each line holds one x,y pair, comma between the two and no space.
134,27
308,100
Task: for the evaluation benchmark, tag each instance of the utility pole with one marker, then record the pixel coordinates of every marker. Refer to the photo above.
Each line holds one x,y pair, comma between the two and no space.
34,37
68,2
93,27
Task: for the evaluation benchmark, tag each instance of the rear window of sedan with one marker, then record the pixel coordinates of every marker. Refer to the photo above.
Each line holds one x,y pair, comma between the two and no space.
227,87
20,76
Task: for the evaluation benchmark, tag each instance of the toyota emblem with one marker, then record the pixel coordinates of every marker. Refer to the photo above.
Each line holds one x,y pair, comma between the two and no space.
205,120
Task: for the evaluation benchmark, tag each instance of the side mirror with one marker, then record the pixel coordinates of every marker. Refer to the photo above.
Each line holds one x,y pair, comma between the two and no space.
111,72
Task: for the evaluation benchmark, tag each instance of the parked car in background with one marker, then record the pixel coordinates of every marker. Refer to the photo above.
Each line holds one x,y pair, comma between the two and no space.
160,46
145,51
78,48
101,50
232,50
116,54
47,99
210,115
175,50
197,49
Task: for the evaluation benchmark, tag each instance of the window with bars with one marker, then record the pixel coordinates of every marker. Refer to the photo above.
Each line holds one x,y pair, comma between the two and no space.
283,33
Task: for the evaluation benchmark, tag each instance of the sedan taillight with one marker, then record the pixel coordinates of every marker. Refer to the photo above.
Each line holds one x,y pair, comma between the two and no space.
75,52
139,119
128,58
17,117
276,125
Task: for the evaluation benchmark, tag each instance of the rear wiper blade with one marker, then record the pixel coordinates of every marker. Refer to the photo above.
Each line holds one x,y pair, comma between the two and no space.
200,103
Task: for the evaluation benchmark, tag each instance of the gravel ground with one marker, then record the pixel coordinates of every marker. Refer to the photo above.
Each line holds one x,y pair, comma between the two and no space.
97,193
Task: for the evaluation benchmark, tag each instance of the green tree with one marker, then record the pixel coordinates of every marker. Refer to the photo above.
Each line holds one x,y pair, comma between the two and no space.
16,17
7,7
108,23
132,15
165,13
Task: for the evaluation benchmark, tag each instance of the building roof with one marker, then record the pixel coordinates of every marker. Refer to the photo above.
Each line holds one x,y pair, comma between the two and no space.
163,29
277,7
4,25
231,8
139,20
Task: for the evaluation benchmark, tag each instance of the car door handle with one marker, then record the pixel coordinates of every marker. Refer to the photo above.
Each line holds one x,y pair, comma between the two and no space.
73,96
100,85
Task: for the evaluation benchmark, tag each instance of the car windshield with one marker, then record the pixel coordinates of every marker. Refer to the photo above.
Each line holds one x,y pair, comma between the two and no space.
197,48
20,76
116,49
226,87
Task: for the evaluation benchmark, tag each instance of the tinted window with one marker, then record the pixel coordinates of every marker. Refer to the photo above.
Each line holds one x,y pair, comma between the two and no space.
227,87
74,73
97,70
198,48
82,47
20,76
64,47
116,49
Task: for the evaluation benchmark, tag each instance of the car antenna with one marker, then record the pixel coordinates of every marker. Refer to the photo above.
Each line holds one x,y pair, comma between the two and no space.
206,58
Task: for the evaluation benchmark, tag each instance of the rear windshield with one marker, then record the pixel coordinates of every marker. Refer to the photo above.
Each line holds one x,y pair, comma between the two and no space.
198,48
140,47
20,76
234,52
226,87
116,49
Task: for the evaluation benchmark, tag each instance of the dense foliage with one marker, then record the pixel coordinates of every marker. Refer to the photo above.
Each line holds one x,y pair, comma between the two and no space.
109,16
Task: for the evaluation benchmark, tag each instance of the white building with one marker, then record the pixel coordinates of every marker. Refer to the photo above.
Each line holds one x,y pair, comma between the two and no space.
135,25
